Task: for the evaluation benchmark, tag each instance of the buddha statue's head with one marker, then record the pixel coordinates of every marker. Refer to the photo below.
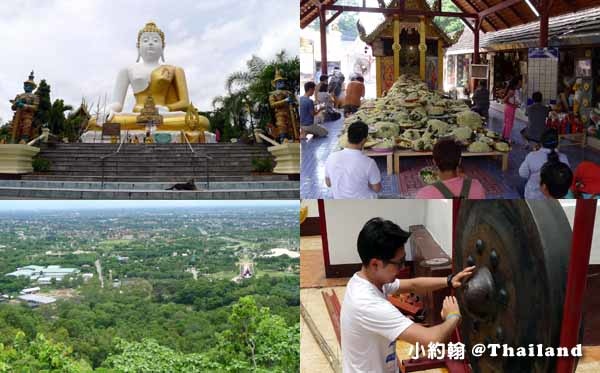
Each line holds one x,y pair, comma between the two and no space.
29,85
151,43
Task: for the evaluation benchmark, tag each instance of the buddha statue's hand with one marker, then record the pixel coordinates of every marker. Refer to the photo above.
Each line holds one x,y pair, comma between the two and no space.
162,109
109,116
112,110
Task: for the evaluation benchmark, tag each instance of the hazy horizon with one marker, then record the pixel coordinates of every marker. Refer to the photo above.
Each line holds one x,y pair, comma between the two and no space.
62,205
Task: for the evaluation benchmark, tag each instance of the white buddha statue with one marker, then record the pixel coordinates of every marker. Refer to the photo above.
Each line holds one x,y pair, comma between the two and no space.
165,83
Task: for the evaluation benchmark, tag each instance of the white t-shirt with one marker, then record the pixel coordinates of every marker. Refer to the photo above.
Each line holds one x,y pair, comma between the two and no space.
370,325
350,173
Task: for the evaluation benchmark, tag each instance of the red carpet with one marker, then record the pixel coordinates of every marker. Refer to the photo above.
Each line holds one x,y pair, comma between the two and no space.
409,181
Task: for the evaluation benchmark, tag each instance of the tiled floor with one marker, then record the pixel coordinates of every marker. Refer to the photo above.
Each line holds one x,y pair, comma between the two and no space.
498,184
312,265
312,358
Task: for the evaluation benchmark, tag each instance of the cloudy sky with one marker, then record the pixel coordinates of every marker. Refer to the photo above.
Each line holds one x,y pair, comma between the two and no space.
78,46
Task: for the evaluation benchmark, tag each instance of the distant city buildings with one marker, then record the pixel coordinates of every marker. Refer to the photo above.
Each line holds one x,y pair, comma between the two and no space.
44,275
36,300
34,290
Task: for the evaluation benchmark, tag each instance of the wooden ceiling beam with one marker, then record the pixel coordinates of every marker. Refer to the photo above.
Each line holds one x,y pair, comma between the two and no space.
333,17
503,5
506,24
398,11
490,25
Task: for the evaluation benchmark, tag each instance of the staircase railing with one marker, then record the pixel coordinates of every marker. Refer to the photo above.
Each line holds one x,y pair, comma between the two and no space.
104,157
195,156
43,137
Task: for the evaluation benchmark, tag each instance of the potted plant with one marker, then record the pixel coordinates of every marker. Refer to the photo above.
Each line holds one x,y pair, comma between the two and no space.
40,164
261,166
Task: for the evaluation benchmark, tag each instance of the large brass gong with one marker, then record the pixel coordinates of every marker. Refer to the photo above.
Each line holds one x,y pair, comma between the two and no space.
521,250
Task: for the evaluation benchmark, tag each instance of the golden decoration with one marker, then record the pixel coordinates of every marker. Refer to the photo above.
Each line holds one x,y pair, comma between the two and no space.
277,78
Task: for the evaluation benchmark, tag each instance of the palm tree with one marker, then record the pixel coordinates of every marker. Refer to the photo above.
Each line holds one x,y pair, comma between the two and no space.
243,79
235,109
56,117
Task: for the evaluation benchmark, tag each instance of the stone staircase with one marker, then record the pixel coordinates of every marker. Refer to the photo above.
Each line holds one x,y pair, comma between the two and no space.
144,171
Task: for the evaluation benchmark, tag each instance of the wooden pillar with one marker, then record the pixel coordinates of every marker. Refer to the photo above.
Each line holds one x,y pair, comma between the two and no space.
440,51
422,47
491,74
476,41
323,30
579,260
396,48
379,75
544,23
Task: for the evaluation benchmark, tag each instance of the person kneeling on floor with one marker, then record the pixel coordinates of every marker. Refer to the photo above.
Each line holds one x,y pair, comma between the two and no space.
349,173
370,324
447,157
308,112
534,161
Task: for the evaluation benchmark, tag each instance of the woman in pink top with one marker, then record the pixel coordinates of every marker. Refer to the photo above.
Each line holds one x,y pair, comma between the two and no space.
446,156
511,103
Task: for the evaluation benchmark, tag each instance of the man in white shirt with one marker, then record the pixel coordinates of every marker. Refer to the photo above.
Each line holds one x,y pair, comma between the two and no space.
370,324
349,173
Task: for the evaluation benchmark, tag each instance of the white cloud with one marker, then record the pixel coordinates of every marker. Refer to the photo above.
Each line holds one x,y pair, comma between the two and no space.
79,46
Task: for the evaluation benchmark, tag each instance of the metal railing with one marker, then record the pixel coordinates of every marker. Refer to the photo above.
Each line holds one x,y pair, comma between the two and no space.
104,157
195,156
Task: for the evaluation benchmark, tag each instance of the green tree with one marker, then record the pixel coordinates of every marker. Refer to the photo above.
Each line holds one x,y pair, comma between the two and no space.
56,119
43,112
347,25
39,355
254,85
233,108
257,340
12,284
452,26
5,131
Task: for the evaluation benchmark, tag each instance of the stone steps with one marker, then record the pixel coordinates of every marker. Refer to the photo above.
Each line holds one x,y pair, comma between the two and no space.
146,186
170,179
144,171
173,170
54,193
171,162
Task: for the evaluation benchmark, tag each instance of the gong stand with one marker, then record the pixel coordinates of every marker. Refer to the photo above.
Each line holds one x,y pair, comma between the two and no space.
528,286
453,366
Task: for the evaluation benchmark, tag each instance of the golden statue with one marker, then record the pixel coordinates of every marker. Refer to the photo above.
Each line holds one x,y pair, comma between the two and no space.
25,106
149,115
193,128
282,101
166,84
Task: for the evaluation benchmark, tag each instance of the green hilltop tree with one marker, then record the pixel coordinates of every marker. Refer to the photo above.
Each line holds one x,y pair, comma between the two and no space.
257,341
